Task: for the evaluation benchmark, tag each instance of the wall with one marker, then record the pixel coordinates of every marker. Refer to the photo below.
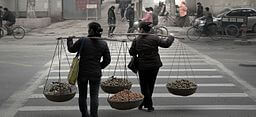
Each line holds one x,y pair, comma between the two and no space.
147,3
55,10
44,8
4,3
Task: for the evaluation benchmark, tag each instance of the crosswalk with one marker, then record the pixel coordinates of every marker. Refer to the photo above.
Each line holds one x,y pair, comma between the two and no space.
216,92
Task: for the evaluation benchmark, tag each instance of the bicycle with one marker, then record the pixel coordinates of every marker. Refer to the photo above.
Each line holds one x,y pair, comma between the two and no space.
18,32
198,29
158,30
168,20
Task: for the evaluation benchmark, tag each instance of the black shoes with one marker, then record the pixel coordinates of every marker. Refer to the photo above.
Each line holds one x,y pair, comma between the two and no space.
140,107
151,109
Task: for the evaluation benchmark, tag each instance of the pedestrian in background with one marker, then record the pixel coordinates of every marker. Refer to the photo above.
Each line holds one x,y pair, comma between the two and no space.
183,13
207,16
200,10
148,16
123,4
158,8
130,15
145,47
90,66
1,16
163,11
111,20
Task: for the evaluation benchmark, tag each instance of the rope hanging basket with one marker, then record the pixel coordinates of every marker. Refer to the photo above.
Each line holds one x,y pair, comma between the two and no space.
125,100
114,85
60,92
182,87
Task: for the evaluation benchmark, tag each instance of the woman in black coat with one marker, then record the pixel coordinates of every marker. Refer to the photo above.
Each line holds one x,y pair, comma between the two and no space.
94,57
111,20
145,47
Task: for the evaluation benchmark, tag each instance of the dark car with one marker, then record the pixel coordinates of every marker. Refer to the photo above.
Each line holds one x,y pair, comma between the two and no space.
248,13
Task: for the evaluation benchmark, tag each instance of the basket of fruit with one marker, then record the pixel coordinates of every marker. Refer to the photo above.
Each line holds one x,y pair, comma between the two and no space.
182,87
59,92
125,100
114,85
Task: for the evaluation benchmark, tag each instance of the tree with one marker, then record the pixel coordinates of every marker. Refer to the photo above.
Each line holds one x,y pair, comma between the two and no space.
31,9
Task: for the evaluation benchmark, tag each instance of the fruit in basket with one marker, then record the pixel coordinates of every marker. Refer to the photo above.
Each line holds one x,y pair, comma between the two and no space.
125,100
57,88
113,81
181,84
126,96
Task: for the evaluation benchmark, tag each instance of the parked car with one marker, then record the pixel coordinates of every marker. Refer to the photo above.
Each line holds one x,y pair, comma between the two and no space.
247,13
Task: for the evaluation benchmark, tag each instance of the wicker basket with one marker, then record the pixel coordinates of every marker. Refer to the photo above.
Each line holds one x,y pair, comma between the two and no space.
61,97
124,105
182,92
115,89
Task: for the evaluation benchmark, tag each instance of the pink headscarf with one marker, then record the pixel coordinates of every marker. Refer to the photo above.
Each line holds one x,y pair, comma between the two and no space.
183,9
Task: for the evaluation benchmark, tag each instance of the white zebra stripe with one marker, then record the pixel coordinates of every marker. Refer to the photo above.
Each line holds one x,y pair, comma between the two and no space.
168,108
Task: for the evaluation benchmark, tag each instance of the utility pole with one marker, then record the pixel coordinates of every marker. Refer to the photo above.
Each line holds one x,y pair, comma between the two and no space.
172,9
17,8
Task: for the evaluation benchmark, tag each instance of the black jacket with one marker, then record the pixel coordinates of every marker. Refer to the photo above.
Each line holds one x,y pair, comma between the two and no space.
111,16
146,48
130,13
200,11
9,16
90,64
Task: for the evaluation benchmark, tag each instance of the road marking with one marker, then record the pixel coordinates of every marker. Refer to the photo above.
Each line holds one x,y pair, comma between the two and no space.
158,77
168,108
122,70
165,64
161,56
64,60
199,85
17,64
159,95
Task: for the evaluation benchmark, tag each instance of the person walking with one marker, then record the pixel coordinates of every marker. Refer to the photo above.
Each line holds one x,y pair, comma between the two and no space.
183,13
145,47
90,66
207,16
1,16
10,19
130,15
200,10
111,20
122,6
148,16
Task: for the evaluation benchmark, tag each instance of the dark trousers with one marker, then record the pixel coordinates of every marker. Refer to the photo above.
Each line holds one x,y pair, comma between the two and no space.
94,97
1,22
8,26
122,13
130,26
147,84
111,29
